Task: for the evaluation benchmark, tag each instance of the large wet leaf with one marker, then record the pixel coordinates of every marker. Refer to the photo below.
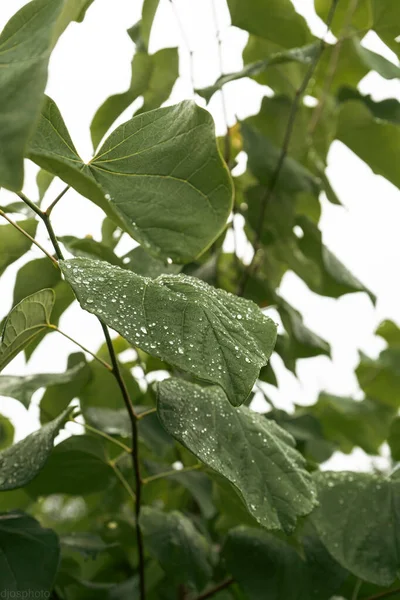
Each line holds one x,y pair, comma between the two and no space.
29,556
214,335
358,521
159,176
25,47
267,568
26,321
13,244
254,454
20,463
181,550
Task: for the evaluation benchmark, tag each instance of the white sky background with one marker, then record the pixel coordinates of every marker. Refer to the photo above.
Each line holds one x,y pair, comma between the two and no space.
92,61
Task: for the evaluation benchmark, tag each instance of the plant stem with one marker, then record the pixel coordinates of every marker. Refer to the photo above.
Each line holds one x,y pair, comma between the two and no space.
104,435
218,588
26,234
135,454
171,472
56,201
115,370
46,220
252,267
386,594
100,360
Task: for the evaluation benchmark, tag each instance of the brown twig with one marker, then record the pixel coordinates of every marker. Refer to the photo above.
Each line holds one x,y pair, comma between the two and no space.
386,594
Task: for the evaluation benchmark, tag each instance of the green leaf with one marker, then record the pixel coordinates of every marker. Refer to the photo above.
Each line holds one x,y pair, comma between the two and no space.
276,20
18,208
149,10
349,423
22,462
6,432
77,466
102,389
89,248
137,173
58,396
386,14
141,262
26,320
358,522
35,276
267,568
214,335
387,110
22,388
13,244
304,55
254,454
29,556
362,18
25,47
87,544
263,158
334,279
153,77
390,332
43,182
380,379
304,342
373,140
376,62
181,550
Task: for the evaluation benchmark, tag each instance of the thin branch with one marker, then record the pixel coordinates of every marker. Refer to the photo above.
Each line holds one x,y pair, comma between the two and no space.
386,594
227,138
356,590
103,435
135,455
284,151
46,220
56,201
146,412
332,68
100,360
171,472
124,482
26,234
218,588
187,44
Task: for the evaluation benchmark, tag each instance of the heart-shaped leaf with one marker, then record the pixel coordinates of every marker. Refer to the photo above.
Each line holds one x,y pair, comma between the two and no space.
160,176
13,244
26,320
214,335
253,453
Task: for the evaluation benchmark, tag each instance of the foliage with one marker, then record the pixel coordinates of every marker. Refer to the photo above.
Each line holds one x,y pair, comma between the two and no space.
178,489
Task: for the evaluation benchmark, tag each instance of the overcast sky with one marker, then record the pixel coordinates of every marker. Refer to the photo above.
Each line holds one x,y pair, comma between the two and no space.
92,61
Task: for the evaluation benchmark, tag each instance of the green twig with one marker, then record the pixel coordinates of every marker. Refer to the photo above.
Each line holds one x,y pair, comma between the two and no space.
171,472
146,412
100,360
104,435
56,201
26,234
